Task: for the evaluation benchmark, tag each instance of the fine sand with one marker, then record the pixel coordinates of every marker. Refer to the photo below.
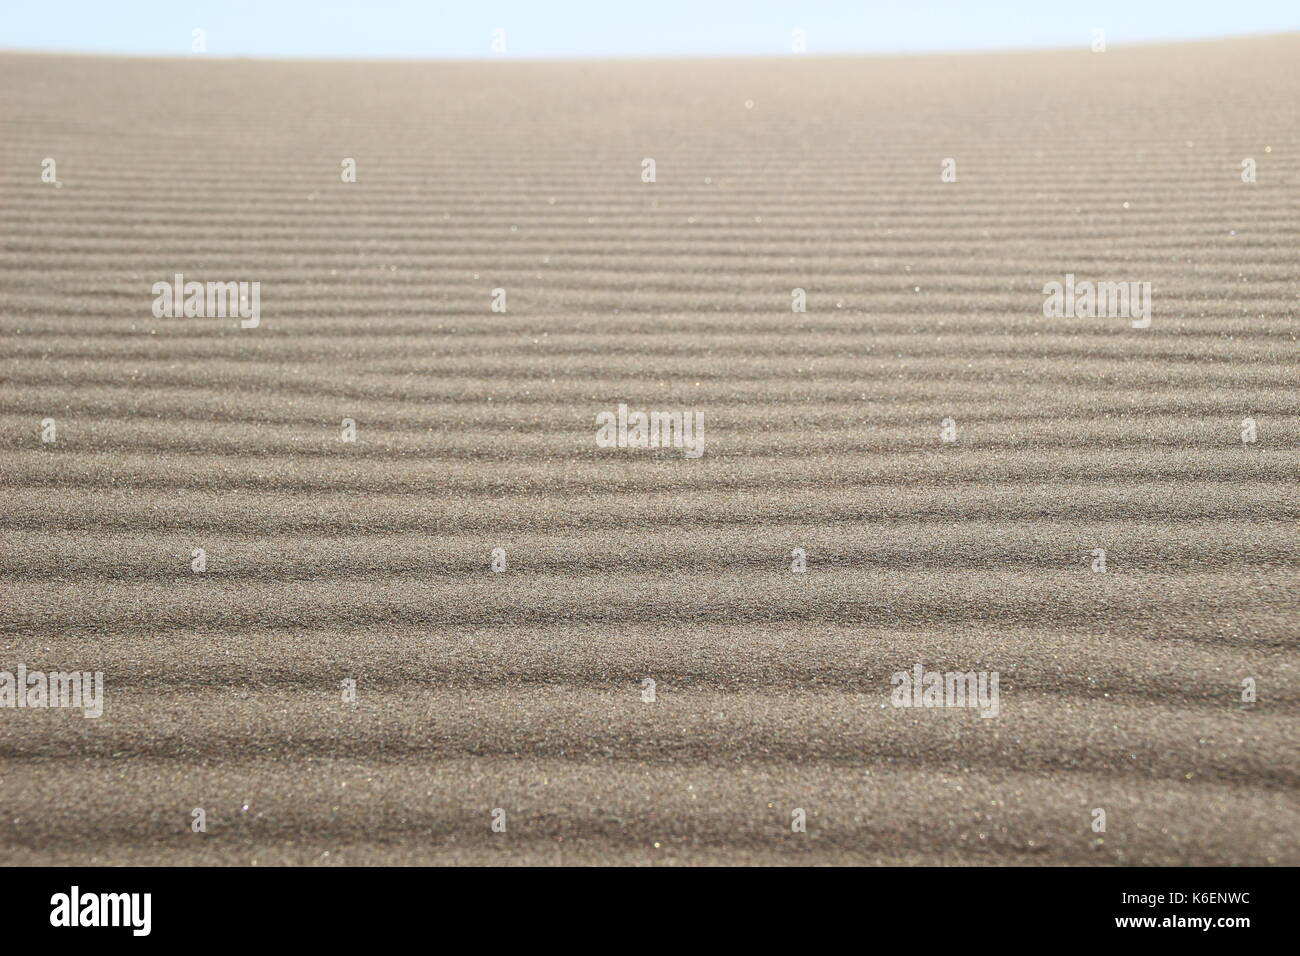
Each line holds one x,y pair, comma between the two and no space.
370,561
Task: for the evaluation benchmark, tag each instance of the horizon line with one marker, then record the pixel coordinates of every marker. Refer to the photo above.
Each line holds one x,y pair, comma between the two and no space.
1081,47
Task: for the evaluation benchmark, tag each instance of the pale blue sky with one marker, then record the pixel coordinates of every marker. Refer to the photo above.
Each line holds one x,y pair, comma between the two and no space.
433,29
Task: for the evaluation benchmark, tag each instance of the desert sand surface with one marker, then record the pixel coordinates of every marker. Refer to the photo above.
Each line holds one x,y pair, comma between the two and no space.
370,561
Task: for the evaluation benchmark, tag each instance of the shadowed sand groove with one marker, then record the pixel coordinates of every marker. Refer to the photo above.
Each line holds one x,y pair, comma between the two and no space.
370,561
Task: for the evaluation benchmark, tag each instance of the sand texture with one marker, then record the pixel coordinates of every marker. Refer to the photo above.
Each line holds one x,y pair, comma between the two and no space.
370,561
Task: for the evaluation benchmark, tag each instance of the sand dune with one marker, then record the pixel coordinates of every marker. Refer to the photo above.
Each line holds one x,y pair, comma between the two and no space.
370,560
